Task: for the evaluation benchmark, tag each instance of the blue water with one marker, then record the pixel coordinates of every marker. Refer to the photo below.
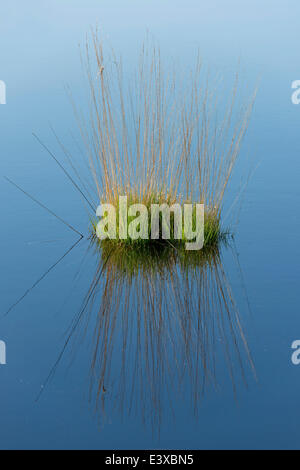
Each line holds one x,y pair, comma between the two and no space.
38,56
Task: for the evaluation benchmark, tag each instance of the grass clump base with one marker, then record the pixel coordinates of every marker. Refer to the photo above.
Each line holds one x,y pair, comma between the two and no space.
213,232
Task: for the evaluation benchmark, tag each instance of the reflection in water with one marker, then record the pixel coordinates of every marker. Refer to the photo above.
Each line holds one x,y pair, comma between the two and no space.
164,325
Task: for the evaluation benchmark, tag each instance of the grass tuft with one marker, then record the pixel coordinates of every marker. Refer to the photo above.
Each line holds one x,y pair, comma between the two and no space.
156,141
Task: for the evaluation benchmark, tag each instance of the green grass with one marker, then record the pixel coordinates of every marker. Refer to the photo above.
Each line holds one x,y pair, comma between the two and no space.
164,127
213,232
148,255
159,257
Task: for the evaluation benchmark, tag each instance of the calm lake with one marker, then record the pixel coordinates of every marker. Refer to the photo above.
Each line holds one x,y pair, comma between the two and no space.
102,356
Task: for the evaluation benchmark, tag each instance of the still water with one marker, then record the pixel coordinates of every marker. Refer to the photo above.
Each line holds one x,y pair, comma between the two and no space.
99,354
